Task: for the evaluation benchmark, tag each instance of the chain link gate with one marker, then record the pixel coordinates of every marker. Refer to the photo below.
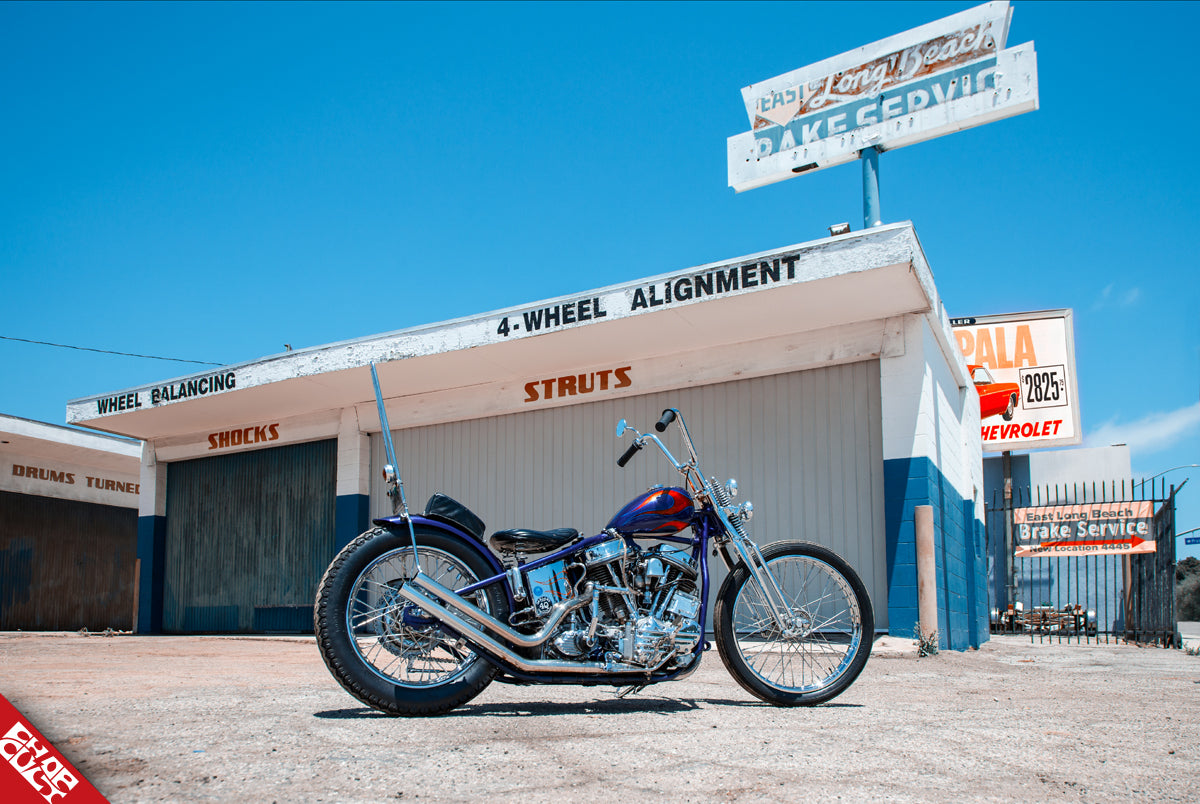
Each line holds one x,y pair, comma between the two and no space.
1056,574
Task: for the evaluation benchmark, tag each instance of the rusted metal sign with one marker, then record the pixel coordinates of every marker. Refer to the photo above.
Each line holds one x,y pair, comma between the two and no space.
942,77
1090,529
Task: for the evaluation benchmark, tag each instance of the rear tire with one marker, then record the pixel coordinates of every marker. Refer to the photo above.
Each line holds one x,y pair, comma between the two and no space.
830,638
383,650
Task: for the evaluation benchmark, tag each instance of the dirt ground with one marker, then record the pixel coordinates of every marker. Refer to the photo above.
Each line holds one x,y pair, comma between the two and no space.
149,718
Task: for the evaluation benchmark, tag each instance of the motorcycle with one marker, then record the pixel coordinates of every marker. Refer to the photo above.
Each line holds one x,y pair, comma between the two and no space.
417,616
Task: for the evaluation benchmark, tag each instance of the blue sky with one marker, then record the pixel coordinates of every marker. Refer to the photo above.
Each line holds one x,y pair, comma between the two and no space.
212,181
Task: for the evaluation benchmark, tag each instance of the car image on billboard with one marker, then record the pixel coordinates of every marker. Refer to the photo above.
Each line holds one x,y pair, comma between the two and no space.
995,398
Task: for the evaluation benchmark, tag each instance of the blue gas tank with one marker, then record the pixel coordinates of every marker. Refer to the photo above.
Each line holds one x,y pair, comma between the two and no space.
660,511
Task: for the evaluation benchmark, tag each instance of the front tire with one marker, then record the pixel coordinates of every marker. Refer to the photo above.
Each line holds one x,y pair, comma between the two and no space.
383,650
827,643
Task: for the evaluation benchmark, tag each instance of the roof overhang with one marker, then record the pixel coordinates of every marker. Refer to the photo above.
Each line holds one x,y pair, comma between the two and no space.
872,275
55,442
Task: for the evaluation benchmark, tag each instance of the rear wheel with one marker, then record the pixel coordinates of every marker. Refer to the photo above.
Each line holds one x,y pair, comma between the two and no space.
824,643
382,649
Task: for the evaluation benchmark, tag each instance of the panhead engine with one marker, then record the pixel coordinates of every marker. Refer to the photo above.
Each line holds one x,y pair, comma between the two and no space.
644,608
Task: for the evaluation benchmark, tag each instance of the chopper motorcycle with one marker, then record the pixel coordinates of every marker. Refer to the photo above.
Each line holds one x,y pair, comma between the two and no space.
418,615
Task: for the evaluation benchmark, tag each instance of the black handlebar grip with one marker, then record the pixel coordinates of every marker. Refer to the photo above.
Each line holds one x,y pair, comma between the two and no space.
629,453
667,417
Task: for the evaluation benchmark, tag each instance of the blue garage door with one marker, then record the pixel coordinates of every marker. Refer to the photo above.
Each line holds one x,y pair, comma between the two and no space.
248,537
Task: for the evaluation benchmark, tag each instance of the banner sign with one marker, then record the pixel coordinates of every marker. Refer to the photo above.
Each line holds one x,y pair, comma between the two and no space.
750,274
1091,529
1023,367
939,78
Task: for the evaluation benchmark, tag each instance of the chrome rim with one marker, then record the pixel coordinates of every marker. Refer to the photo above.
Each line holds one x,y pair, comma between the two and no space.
820,640
394,638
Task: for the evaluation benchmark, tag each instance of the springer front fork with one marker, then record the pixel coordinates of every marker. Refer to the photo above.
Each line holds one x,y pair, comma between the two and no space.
791,622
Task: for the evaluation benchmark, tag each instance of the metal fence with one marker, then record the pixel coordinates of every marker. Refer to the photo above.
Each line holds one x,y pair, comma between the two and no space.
1110,595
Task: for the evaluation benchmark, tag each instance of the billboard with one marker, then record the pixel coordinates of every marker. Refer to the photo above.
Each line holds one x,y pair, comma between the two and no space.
1023,367
939,78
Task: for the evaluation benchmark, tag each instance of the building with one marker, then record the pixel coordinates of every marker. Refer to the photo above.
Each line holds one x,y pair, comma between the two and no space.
822,375
68,528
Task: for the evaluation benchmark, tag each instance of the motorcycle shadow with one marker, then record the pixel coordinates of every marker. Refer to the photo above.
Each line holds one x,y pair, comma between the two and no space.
608,706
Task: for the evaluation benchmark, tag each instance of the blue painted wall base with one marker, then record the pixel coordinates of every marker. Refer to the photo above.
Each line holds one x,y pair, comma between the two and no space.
351,516
151,551
958,547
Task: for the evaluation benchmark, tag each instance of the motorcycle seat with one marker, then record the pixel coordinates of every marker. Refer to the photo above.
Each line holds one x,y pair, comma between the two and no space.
524,540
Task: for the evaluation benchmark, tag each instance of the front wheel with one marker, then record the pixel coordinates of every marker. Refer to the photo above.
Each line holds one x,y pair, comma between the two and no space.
384,650
824,642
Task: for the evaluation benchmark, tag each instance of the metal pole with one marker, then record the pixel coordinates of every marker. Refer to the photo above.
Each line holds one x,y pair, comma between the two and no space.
1009,558
927,608
870,172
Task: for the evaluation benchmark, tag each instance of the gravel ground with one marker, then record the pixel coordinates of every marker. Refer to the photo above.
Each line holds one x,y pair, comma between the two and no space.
149,718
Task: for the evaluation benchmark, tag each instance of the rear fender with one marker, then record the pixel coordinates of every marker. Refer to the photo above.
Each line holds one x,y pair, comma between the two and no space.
398,526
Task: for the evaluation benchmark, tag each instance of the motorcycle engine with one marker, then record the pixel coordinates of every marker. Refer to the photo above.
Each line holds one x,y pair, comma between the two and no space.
646,609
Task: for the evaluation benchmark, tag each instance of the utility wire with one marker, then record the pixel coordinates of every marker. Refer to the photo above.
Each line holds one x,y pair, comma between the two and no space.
109,352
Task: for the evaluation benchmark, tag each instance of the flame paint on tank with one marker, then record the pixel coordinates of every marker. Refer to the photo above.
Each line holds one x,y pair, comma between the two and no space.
662,511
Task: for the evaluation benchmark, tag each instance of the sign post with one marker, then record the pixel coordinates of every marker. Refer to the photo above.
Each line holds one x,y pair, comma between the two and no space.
870,167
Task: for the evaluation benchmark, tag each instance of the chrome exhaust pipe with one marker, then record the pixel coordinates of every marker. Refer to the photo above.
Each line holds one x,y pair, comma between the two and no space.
456,602
502,653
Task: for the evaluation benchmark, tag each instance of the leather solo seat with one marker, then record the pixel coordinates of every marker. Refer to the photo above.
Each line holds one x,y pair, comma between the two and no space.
524,540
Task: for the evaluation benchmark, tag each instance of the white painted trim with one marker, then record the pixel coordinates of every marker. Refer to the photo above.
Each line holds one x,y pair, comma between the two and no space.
353,456
153,499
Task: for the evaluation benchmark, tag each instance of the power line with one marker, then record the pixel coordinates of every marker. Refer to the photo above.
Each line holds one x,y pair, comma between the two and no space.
109,352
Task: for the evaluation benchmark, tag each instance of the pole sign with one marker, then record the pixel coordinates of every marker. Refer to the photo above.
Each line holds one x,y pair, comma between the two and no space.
939,78
1023,367
1091,529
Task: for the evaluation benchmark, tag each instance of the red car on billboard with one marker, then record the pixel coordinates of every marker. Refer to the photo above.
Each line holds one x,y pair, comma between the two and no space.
994,397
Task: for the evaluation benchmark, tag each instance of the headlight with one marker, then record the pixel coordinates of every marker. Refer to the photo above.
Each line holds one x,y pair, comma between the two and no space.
746,509
389,474
731,488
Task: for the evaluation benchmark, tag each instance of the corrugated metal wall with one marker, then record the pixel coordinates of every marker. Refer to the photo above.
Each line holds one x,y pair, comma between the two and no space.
806,448
248,536
65,565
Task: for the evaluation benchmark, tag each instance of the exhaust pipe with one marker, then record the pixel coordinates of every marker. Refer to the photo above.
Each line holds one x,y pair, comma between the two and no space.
499,651
456,602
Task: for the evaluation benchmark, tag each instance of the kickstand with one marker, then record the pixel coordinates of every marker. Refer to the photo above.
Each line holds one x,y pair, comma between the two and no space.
636,688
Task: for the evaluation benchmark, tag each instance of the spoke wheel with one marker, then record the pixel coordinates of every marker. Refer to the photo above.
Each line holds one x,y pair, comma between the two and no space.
394,638
387,652
824,640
